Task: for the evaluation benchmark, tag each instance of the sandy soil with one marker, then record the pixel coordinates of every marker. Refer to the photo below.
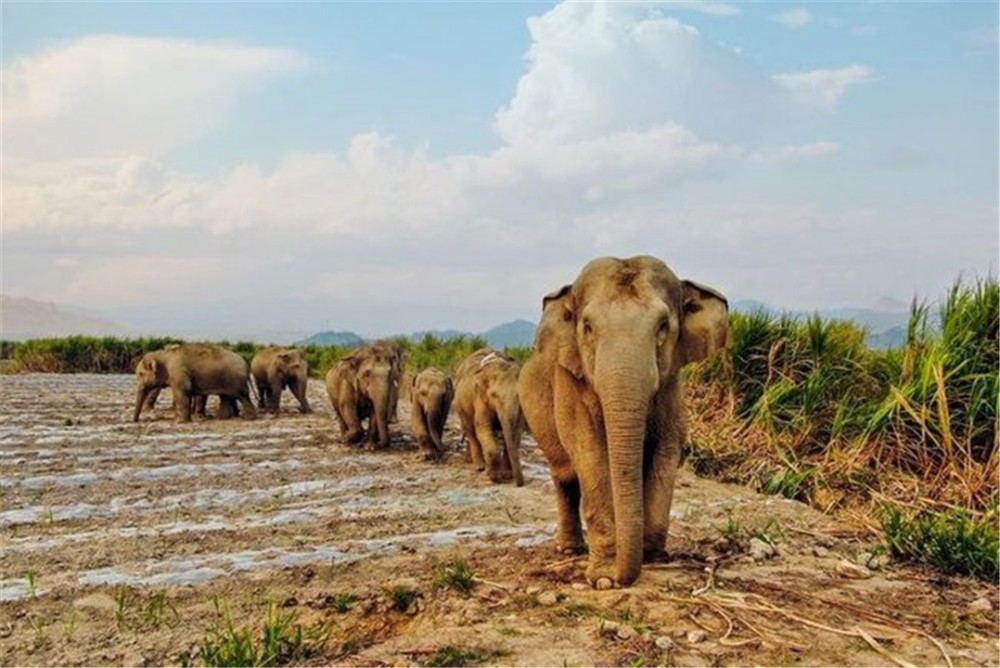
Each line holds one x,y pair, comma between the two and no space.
122,542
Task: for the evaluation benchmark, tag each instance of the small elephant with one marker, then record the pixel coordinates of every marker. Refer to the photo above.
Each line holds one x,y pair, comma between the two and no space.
396,353
273,370
602,396
360,387
486,400
192,370
431,394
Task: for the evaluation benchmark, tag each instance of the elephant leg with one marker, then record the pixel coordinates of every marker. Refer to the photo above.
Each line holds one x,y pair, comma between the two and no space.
150,401
475,454
492,452
435,426
569,539
658,493
246,403
274,400
262,390
298,389
421,431
182,403
350,422
199,405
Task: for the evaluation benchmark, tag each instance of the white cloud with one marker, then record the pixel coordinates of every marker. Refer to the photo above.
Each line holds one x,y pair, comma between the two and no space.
794,19
705,7
824,86
115,94
787,153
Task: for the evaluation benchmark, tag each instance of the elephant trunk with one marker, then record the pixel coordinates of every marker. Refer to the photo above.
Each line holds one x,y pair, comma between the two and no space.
626,390
140,399
511,427
380,414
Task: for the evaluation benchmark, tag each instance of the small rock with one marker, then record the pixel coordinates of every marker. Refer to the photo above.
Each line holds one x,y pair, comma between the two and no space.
608,628
820,551
548,598
134,659
696,636
531,591
851,570
664,642
761,550
580,586
826,541
410,584
626,632
981,605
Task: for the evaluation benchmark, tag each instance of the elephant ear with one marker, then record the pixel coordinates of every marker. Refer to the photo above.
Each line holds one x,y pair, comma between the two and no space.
563,324
705,327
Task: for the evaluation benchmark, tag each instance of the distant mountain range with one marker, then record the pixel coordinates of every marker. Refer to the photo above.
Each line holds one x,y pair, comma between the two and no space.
22,319
886,320
509,334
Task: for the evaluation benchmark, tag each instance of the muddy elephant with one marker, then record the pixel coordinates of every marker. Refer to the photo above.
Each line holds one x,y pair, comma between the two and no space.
431,394
191,370
486,401
395,352
273,370
602,396
360,387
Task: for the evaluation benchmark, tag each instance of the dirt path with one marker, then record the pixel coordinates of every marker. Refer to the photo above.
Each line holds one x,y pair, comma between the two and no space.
136,536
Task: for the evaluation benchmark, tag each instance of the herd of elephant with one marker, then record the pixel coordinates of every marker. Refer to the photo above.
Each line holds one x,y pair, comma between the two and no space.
601,394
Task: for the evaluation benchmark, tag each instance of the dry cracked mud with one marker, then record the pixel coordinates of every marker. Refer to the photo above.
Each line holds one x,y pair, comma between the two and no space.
121,543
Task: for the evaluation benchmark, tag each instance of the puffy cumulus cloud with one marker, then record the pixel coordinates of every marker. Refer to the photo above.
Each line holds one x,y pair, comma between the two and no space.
604,67
824,87
115,94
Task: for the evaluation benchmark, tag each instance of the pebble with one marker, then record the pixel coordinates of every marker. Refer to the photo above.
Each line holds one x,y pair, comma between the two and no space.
981,605
873,561
608,627
664,642
851,570
410,584
696,636
626,632
580,586
820,551
531,591
761,550
548,598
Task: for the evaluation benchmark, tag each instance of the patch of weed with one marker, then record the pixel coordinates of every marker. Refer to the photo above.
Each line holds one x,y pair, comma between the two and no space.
454,574
952,541
401,596
282,640
453,655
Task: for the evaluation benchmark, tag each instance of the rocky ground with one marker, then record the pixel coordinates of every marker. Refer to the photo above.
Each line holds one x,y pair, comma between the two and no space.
140,544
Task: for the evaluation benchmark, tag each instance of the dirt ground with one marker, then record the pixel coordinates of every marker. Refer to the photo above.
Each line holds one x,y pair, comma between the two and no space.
125,544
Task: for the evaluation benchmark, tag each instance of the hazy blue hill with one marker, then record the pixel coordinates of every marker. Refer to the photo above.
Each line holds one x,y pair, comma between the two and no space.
515,333
347,339
890,338
439,334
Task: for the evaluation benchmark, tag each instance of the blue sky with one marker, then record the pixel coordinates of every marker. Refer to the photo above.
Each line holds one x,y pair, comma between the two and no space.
386,167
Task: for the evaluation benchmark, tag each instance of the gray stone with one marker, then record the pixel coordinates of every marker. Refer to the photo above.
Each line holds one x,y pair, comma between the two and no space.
548,598
626,632
851,570
761,550
820,551
664,642
981,605
696,636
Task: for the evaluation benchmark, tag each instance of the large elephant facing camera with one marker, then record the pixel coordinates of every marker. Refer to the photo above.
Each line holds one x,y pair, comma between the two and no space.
602,396
192,370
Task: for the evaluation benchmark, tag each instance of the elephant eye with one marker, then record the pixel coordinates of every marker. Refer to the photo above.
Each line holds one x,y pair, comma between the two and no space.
663,328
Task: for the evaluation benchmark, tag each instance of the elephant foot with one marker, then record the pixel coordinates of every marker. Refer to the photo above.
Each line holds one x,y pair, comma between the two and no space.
601,575
570,546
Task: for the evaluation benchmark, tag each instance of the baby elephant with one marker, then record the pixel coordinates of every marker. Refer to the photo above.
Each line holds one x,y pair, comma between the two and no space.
273,370
190,370
430,400
486,400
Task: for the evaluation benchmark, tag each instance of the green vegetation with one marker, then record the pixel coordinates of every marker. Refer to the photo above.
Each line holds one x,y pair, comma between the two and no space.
88,354
282,640
951,541
452,655
455,574
824,419
401,596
